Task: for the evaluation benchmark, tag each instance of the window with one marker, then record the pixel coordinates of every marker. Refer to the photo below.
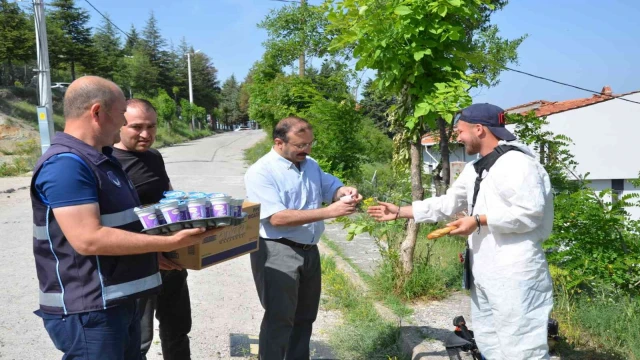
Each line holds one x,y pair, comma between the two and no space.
617,188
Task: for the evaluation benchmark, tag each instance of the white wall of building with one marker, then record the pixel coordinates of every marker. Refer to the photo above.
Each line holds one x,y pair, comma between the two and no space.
605,137
431,157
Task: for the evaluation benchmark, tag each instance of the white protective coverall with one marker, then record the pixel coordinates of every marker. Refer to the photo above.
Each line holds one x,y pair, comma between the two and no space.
512,291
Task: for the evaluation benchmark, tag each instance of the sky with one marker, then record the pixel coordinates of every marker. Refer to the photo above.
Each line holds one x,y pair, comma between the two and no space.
586,43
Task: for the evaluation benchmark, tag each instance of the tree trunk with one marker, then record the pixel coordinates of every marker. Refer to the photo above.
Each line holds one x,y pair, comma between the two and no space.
444,156
11,81
443,181
301,62
73,71
408,246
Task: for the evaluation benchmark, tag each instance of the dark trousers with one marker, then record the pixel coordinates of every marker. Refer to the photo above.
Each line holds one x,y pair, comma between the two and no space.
288,280
111,334
172,307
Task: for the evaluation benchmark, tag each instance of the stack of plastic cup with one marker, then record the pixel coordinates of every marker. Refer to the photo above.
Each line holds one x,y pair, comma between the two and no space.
184,210
147,216
197,207
220,205
236,207
171,213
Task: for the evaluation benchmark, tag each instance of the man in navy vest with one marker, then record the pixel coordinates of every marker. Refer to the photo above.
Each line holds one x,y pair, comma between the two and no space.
91,259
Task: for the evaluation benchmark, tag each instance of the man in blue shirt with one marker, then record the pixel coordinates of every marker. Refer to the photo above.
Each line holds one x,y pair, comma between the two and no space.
91,259
291,188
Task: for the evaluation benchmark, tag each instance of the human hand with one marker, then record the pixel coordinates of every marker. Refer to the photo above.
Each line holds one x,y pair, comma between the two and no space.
341,208
190,237
384,211
166,264
465,226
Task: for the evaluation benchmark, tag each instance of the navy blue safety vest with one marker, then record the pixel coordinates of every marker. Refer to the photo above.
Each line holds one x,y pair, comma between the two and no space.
73,283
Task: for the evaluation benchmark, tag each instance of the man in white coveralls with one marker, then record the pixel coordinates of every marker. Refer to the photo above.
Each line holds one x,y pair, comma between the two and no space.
510,216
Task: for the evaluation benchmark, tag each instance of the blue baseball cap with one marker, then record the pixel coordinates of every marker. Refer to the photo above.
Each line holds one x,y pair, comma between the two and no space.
488,115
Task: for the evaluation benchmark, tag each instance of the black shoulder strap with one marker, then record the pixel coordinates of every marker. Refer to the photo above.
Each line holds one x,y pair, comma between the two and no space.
485,163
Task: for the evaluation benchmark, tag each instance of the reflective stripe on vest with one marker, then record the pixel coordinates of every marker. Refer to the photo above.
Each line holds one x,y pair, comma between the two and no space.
110,220
125,289
111,292
40,232
51,299
119,219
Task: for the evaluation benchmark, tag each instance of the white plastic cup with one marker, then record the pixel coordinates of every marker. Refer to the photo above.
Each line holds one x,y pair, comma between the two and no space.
220,207
347,199
171,211
236,207
208,209
147,216
184,210
197,208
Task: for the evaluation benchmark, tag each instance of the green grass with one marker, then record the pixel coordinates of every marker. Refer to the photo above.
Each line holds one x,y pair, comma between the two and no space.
26,155
437,270
27,111
596,328
364,334
178,133
252,154
333,246
390,300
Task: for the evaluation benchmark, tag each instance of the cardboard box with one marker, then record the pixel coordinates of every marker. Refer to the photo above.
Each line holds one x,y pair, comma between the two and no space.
231,242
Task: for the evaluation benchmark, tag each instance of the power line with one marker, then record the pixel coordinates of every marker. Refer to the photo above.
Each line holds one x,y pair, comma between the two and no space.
106,18
573,86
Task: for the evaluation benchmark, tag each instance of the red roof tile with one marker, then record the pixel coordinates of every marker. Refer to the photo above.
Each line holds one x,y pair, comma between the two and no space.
432,138
545,108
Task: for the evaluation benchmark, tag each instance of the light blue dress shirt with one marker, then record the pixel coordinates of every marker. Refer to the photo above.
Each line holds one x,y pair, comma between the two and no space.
277,184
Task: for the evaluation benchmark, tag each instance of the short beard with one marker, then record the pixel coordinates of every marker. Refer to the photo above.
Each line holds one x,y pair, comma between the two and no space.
473,147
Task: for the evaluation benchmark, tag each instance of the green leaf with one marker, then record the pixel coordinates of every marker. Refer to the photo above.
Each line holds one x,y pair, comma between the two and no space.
420,54
455,3
422,109
442,10
402,10
410,122
363,9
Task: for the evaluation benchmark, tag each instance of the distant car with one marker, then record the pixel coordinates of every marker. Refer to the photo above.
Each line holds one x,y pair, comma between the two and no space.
60,85
243,127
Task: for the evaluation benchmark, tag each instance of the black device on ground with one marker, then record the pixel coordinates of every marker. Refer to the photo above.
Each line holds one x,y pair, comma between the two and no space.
461,339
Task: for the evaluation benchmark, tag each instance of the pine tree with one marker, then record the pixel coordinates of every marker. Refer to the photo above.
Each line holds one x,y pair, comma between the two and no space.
71,43
155,47
17,42
107,43
206,88
131,42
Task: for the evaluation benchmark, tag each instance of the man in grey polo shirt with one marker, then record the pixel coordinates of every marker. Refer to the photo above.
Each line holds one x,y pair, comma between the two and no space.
291,188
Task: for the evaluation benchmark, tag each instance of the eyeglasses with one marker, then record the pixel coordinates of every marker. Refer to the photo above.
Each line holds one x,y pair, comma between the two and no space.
303,146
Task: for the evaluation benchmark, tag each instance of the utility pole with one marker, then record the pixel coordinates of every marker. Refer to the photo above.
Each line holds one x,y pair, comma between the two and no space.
45,102
303,6
193,117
